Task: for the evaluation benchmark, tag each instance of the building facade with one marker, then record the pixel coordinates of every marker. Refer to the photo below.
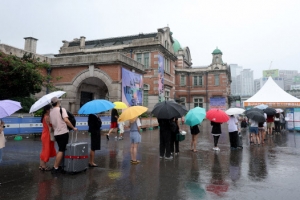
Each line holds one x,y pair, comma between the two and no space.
245,86
235,71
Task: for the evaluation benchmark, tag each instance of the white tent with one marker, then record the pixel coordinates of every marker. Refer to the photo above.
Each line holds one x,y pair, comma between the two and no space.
272,95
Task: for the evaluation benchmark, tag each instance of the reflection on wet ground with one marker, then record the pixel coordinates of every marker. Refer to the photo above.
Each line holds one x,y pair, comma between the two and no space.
269,171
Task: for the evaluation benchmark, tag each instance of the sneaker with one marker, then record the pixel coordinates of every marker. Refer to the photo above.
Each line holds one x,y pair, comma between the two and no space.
169,158
218,149
116,137
215,148
161,157
107,137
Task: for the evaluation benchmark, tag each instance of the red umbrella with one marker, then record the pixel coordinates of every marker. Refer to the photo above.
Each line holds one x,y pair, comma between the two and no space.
217,115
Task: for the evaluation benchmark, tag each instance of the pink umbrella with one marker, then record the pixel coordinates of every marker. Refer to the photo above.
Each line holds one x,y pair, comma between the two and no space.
8,107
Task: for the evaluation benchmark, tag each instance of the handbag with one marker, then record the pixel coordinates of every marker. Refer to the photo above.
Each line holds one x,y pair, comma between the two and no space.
52,138
180,137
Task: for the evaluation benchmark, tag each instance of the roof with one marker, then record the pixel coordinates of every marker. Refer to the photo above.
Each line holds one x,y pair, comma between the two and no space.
217,51
272,95
89,44
176,45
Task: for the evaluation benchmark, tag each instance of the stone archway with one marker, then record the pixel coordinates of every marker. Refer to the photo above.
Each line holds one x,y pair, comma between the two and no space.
96,79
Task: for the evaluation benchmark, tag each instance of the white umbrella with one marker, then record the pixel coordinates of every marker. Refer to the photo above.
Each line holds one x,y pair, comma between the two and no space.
44,100
279,110
235,111
261,106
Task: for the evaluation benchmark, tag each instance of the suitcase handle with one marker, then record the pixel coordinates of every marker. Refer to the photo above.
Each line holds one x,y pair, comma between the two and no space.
72,136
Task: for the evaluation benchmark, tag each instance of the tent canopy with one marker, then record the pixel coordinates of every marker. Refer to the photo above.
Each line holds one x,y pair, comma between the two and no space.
272,95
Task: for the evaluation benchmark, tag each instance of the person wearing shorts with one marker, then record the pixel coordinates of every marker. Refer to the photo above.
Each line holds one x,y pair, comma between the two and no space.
261,131
113,122
59,123
254,131
270,124
135,138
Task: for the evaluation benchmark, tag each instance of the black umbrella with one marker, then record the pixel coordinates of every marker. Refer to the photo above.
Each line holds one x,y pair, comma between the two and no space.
270,111
256,116
254,109
168,110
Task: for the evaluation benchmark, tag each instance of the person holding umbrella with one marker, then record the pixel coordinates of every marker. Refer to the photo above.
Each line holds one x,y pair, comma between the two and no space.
113,122
94,123
233,131
164,139
194,131
135,138
254,130
174,125
216,132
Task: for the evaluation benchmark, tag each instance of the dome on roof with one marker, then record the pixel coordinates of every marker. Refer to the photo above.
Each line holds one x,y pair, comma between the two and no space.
176,45
217,51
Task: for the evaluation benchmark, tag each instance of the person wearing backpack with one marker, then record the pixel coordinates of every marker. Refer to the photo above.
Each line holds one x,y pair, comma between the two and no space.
60,122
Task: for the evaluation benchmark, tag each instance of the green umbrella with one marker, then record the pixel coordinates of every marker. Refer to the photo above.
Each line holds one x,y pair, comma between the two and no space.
195,116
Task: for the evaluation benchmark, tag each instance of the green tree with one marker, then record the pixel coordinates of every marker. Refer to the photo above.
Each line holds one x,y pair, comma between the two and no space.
21,77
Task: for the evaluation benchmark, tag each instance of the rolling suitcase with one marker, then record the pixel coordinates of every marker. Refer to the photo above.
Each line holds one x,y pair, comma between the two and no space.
76,156
240,140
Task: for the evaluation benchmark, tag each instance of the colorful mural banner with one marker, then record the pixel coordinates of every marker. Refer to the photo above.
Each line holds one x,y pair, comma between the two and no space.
161,92
217,103
132,88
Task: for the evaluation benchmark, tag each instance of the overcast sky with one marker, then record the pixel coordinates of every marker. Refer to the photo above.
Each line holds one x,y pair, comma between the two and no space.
250,33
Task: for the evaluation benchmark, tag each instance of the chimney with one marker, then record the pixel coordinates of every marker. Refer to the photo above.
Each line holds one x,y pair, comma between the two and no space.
82,42
30,44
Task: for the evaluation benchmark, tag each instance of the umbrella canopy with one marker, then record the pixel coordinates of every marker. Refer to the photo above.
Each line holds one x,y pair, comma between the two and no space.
234,111
96,106
256,116
44,100
254,109
168,110
120,105
132,112
261,106
279,110
270,111
8,107
195,116
217,115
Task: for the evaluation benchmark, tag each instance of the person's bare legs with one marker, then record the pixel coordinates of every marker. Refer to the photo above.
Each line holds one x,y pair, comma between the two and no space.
133,151
42,164
58,159
257,139
92,157
194,143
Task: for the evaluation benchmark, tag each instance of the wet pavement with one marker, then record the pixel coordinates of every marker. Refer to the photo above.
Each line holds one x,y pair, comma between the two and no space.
269,171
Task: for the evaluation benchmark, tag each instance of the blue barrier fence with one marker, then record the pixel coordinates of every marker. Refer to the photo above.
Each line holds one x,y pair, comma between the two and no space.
29,125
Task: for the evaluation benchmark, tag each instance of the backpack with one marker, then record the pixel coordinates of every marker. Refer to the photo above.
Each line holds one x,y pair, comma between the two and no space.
244,124
71,118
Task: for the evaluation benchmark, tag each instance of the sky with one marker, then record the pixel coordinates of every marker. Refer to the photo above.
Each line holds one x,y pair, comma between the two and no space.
250,33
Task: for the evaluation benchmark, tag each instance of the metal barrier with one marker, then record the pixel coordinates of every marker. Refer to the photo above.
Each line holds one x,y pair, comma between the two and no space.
30,125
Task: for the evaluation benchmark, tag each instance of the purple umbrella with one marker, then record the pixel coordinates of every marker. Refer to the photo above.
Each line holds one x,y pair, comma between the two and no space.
8,107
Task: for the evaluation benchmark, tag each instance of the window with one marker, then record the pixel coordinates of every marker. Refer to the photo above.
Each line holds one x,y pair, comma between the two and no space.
182,80
146,94
198,81
167,65
167,95
143,58
146,60
217,80
198,102
182,101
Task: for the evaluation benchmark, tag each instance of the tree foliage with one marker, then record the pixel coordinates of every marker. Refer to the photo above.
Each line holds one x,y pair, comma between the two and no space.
20,77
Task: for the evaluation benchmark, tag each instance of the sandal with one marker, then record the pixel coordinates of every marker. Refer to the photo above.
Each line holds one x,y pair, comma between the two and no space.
44,168
135,162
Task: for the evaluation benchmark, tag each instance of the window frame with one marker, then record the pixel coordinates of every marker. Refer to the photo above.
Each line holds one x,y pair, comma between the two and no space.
200,102
217,83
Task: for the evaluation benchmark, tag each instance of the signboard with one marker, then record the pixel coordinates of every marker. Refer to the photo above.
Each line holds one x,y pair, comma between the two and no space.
289,118
217,103
274,73
296,79
161,91
132,88
238,104
297,118
295,87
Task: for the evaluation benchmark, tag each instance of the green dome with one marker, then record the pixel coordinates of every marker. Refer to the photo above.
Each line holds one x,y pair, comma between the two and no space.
217,51
176,45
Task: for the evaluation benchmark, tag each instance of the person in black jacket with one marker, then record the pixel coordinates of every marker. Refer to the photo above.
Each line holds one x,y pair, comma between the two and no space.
216,132
94,123
174,132
164,139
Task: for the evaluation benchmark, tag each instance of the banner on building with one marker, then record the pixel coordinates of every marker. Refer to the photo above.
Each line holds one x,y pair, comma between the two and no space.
217,103
274,73
289,118
132,88
161,92
238,104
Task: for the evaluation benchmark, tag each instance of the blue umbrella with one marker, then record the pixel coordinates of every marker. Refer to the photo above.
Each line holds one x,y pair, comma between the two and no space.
195,116
96,106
